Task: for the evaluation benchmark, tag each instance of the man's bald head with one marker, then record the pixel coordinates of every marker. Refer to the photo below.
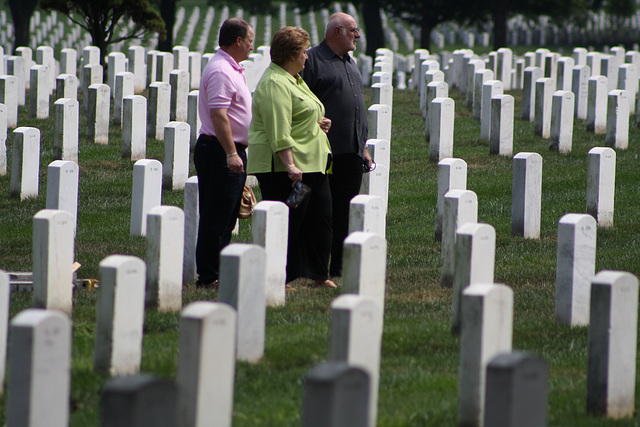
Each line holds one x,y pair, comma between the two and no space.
341,33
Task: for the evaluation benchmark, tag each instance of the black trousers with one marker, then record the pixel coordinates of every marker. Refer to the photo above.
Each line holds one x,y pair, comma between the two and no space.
345,185
309,242
220,192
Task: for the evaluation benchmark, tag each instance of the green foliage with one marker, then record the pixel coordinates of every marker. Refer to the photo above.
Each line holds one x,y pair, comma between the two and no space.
101,18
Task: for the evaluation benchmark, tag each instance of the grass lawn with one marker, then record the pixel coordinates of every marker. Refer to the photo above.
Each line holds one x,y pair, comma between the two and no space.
419,373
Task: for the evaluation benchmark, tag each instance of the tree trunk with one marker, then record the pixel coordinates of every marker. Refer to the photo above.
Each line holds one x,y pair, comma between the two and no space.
373,25
168,13
21,11
500,13
428,23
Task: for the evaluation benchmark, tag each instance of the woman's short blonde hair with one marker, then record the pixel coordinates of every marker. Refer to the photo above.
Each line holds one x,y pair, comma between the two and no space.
287,43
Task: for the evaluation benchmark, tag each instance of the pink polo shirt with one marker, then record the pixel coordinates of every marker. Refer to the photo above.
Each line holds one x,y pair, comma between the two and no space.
223,86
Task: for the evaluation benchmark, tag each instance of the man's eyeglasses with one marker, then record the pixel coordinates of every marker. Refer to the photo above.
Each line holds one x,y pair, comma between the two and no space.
353,30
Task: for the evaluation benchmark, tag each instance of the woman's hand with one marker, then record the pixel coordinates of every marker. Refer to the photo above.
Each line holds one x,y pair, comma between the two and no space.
325,124
294,173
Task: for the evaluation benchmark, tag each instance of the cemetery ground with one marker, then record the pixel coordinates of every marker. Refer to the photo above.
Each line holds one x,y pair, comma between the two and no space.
420,360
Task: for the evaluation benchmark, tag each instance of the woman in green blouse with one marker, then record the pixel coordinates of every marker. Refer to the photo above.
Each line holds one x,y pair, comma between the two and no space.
287,144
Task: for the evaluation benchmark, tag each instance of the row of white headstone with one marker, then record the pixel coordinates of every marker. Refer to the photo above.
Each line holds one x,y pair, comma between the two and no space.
127,283
468,252
554,110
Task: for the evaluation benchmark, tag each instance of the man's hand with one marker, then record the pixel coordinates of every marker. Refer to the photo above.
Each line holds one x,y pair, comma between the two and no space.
234,163
367,157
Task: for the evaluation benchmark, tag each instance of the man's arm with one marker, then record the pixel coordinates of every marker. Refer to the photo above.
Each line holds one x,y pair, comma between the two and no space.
222,126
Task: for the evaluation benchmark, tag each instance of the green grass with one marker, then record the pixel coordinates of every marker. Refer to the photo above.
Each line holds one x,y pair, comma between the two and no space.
419,373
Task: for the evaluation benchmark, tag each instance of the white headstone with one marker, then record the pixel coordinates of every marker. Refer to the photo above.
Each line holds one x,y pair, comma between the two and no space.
147,193
376,183
480,79
460,207
487,329
356,338
442,115
613,336
138,67
165,244
39,375
490,89
16,67
99,115
475,254
545,87
62,188
526,195
609,69
92,74
193,117
379,150
597,105
39,92
576,266
564,77
562,112
501,136
242,278
123,86
531,76
53,250
9,97
116,64
452,175
179,81
195,64
580,88
593,62
25,163
379,118
134,127
158,109
66,133
580,56
628,80
433,90
270,230
164,66
364,266
504,67
617,135
367,214
176,155
473,67
191,220
120,315
601,179
69,61
66,86
206,364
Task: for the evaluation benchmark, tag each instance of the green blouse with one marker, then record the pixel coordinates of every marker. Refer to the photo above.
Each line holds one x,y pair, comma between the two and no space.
286,115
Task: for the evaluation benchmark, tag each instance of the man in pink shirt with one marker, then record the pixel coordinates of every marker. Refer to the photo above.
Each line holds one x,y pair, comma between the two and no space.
224,107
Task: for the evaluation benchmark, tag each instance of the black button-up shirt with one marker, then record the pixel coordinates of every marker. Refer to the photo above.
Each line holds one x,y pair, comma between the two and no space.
338,84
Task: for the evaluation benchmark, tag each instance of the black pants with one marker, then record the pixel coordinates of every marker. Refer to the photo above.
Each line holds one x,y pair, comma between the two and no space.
220,192
309,242
345,185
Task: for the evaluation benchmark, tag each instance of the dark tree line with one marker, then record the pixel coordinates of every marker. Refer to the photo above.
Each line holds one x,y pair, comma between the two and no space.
100,17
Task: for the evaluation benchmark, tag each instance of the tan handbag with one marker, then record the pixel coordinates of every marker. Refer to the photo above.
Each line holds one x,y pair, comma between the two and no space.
247,203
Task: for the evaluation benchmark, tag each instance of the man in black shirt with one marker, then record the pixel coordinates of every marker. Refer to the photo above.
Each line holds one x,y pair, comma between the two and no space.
333,76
